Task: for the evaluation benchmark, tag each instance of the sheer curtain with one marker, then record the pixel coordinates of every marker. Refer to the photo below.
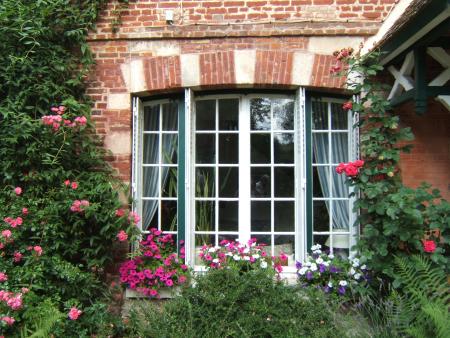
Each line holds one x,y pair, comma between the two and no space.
151,153
339,152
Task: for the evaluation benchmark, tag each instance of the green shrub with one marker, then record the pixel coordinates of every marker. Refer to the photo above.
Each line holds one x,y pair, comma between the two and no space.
227,303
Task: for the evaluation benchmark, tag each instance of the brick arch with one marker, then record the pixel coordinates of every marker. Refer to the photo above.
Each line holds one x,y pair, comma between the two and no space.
245,67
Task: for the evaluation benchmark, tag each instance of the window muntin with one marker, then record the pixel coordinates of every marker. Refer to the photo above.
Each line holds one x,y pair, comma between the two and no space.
158,179
331,132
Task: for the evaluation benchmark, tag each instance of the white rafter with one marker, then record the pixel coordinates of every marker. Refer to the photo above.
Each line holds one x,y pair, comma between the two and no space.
441,56
402,77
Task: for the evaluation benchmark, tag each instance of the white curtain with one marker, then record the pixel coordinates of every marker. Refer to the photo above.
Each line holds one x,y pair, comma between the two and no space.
339,153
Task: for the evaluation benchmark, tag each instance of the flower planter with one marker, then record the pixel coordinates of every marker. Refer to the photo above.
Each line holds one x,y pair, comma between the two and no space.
164,293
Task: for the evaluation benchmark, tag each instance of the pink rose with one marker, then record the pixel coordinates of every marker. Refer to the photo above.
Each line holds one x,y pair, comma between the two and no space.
351,170
66,182
74,185
358,163
38,250
340,168
3,277
74,313
8,320
347,105
122,236
17,256
429,246
6,233
120,212
18,191
25,211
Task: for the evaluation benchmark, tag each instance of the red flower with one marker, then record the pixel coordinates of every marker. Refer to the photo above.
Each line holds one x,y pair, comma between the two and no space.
347,105
351,170
340,168
429,246
358,163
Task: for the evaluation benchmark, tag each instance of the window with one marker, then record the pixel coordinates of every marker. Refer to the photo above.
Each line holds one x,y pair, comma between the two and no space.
245,166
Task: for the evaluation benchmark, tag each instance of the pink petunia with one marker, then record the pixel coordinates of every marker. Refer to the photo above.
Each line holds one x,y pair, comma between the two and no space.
122,236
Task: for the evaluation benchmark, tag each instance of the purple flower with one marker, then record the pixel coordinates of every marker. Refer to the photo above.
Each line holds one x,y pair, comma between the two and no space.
298,265
309,275
334,269
322,268
341,290
326,289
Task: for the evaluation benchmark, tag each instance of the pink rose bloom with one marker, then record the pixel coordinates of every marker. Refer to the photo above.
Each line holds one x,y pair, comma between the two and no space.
122,236
8,320
38,250
17,256
6,233
19,220
25,290
134,217
66,182
3,277
429,246
74,185
15,302
340,168
54,109
84,203
74,313
120,212
18,190
358,163
351,170
25,211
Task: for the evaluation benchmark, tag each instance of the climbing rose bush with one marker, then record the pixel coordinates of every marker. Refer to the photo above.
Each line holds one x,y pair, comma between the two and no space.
333,274
155,265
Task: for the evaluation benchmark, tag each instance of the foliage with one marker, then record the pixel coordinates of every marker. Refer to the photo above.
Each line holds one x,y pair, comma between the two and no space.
57,196
155,265
227,303
334,275
239,256
394,218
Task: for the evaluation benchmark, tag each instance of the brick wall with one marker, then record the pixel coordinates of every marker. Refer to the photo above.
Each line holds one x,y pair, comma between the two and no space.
430,158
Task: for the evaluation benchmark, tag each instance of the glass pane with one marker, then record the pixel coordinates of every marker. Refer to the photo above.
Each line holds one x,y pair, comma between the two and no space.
228,216
321,218
319,115
149,214
320,148
339,117
260,216
285,245
265,241
204,216
260,148
205,115
339,147
169,149
283,114
170,116
151,149
150,182
229,114
260,178
169,215
205,148
340,215
284,182
200,240
283,148
204,182
260,114
321,185
230,238
228,148
229,182
340,188
284,216
169,181
151,118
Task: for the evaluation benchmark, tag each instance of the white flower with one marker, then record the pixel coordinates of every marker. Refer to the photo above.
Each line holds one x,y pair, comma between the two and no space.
355,262
302,271
263,264
246,258
246,250
212,250
236,258
308,263
343,283
352,271
313,267
363,267
256,256
330,256
357,276
330,284
316,247
319,260
229,253
318,251
326,263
